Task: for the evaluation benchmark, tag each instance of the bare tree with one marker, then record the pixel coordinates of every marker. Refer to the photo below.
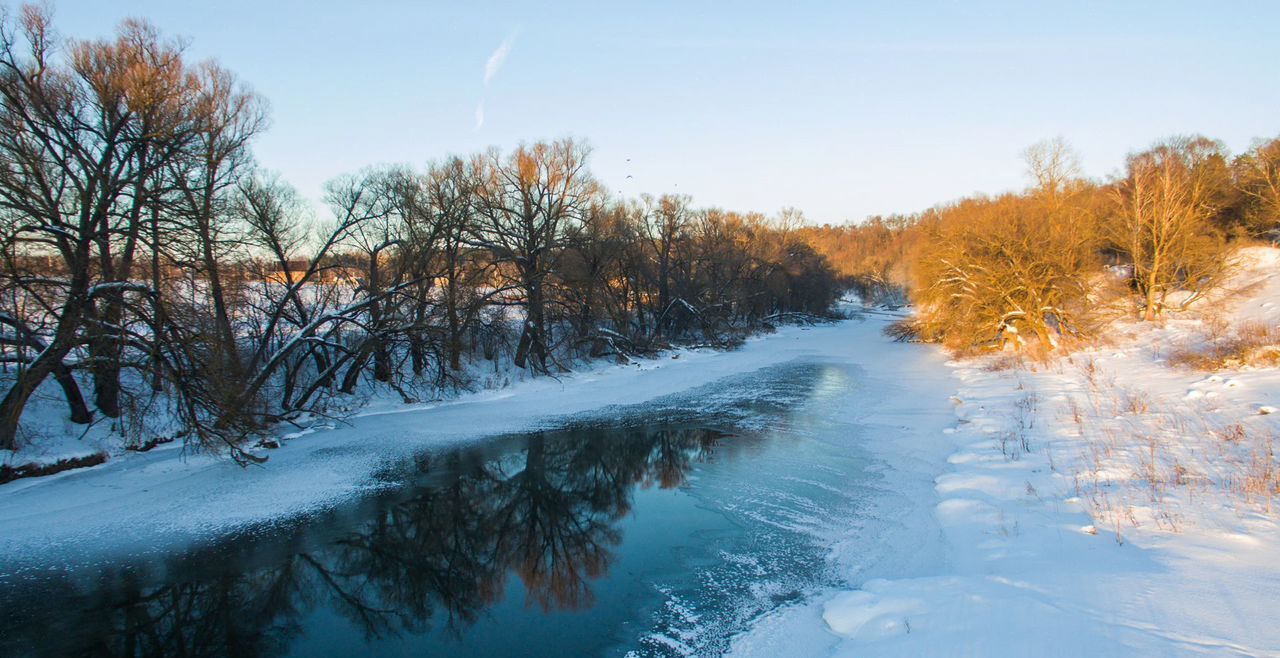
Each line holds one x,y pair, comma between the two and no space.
525,203
1054,167
1257,176
667,218
249,312
450,192
78,135
1162,222
369,202
229,117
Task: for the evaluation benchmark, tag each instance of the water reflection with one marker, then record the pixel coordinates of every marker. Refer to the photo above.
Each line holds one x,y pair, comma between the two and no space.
433,556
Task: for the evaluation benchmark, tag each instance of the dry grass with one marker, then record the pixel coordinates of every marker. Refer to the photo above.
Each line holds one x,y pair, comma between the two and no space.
1253,344
1017,441
1262,481
1131,402
1232,433
1142,462
1004,361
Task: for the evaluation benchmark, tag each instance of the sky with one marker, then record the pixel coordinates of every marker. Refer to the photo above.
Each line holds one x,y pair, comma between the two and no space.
841,109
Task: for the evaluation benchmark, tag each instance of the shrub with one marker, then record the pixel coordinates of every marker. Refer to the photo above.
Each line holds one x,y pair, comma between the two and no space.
1004,272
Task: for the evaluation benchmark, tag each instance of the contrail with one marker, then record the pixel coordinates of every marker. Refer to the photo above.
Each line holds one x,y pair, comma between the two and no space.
499,56
491,68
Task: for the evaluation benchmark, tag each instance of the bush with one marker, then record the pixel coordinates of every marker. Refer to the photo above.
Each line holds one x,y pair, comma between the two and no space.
998,273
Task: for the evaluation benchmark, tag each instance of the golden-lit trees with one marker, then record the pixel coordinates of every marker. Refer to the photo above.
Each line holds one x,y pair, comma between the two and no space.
994,271
1162,221
997,271
1257,175
873,257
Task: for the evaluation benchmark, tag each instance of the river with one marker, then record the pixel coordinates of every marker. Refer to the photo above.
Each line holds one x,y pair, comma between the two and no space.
654,529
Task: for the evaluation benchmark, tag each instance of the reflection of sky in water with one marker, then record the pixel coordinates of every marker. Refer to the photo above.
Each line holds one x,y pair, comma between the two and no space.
831,383
634,530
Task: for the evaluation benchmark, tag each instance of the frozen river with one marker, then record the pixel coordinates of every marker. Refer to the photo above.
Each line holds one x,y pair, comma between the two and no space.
667,527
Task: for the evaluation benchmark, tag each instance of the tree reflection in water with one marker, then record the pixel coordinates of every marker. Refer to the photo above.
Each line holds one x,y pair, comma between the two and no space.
437,555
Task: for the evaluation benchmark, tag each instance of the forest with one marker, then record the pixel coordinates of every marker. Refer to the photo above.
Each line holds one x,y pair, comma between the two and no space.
1048,267
170,286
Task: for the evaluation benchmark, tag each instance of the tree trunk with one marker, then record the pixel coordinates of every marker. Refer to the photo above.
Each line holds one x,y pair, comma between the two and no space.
104,357
664,289
522,348
381,355
75,401
455,325
104,352
222,316
157,367
352,377
104,347
381,361
532,339
417,354
1152,310
106,379
49,360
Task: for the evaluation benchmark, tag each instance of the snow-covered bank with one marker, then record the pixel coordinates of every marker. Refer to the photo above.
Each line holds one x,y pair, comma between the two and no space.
1105,504
152,501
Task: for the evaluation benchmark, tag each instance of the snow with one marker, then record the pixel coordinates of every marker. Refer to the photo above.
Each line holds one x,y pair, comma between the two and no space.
866,614
1259,284
1089,506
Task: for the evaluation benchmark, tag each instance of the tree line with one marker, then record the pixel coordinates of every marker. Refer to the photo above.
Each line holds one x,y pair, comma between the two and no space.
1040,268
148,260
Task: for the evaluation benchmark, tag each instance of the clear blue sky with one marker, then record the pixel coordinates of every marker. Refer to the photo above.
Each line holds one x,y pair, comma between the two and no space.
843,109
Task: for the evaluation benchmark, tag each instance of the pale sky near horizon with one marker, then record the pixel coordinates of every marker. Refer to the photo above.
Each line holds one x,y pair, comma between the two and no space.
843,110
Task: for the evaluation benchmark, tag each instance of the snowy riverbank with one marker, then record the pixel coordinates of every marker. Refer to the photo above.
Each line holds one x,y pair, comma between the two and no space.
149,502
1107,504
